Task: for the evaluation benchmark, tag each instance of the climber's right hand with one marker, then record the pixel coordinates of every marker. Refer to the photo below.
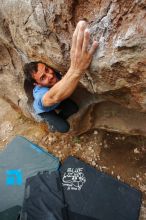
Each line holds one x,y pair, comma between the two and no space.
81,54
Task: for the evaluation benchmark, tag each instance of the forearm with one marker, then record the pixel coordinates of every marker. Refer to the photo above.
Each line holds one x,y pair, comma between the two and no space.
63,89
80,59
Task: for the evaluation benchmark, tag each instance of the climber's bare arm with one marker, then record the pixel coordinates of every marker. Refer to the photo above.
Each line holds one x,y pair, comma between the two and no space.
80,60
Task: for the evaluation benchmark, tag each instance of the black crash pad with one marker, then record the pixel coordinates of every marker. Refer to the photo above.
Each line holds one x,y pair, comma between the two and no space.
95,194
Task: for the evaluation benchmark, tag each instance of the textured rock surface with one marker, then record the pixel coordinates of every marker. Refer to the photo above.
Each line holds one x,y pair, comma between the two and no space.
119,155
115,84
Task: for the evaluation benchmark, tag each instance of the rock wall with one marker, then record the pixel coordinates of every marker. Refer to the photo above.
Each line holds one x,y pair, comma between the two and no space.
112,93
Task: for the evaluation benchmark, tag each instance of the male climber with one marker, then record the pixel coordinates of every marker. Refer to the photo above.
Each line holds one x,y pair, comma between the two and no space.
52,91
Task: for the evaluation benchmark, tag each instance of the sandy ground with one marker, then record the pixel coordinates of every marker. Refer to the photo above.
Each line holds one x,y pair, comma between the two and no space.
123,157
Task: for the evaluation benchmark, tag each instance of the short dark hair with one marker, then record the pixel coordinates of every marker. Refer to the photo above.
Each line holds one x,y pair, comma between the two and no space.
29,68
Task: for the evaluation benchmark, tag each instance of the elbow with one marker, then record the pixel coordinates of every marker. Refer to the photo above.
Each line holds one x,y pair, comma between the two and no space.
49,102
45,103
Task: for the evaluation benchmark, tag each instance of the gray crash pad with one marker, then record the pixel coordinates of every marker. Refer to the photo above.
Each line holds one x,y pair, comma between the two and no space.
11,214
18,161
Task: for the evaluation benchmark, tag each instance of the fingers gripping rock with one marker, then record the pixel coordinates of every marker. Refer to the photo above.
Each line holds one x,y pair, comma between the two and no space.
80,55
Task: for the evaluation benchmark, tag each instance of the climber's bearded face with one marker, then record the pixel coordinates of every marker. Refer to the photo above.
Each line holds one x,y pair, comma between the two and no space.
45,76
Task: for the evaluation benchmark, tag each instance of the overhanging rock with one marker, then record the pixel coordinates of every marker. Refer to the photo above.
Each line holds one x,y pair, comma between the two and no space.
115,82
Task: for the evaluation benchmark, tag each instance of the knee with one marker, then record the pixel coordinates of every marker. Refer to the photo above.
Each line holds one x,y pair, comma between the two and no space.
62,129
65,128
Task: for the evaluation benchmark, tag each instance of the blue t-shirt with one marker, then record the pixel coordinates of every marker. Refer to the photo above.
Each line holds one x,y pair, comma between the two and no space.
38,93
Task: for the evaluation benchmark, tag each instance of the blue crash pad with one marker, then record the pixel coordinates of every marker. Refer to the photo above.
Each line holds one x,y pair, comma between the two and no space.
18,161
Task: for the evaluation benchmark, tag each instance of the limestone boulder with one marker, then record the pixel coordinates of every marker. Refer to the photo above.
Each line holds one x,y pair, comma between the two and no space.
112,93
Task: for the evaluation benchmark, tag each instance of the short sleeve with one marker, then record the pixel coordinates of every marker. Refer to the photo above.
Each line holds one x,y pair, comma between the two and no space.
38,101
